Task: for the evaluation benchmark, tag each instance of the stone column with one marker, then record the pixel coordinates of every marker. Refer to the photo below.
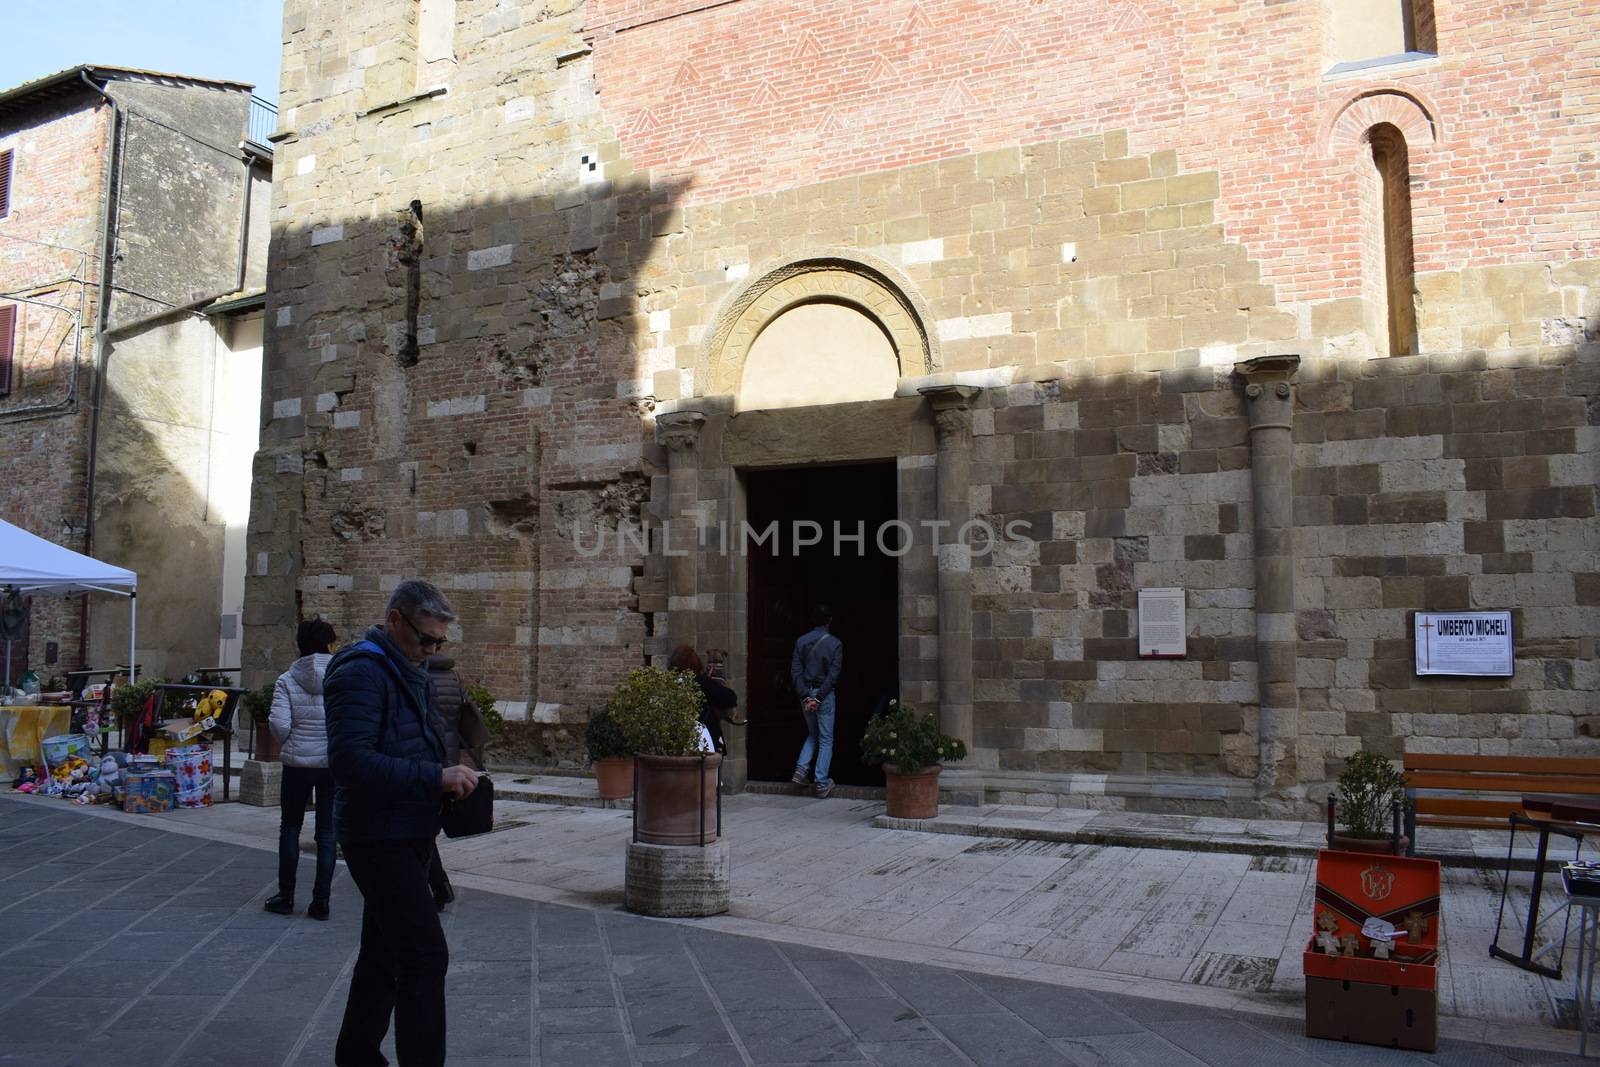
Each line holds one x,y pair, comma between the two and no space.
1269,393
679,431
952,419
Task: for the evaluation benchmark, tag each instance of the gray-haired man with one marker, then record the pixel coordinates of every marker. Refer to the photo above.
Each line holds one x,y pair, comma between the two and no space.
388,760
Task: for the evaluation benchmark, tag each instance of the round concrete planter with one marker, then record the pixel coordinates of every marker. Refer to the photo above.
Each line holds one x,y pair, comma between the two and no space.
1381,846
676,803
912,795
614,777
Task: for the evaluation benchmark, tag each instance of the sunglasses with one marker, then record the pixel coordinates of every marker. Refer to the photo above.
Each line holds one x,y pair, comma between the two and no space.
426,641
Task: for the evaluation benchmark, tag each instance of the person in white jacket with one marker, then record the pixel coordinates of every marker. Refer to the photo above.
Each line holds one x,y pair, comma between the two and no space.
298,724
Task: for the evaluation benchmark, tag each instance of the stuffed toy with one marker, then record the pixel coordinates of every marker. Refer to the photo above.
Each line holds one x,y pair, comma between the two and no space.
27,780
73,778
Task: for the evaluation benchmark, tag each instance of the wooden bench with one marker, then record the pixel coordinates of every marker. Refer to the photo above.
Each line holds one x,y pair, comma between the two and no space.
1435,784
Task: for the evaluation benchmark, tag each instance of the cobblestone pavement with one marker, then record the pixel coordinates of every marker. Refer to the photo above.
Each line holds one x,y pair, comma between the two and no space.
133,946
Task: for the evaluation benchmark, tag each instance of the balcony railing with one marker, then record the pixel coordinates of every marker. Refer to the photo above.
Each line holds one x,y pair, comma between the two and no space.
263,120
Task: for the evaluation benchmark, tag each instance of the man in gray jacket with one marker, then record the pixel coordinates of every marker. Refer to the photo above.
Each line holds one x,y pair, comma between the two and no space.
814,669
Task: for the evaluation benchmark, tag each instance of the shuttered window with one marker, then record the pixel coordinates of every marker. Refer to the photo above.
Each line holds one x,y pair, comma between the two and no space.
8,336
5,184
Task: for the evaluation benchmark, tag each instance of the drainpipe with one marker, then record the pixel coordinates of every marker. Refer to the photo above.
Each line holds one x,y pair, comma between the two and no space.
244,216
102,318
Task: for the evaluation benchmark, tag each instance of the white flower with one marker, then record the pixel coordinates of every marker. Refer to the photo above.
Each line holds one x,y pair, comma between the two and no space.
890,752
892,735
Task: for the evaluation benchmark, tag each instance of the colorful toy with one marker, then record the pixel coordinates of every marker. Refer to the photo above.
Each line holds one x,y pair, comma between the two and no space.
27,780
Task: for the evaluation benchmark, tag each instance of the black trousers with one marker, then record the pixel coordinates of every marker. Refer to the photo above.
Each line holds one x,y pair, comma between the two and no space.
401,967
299,783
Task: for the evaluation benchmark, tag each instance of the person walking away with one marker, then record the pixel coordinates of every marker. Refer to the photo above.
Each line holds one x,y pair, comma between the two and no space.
814,670
465,737
390,776
297,722
719,701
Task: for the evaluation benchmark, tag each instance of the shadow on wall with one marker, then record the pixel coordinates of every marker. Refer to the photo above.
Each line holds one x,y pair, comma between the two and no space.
444,386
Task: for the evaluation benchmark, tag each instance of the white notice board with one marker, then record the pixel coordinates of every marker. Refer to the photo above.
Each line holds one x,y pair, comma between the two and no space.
1476,643
1163,633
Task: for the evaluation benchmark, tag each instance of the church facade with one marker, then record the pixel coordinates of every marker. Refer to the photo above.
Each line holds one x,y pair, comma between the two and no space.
639,323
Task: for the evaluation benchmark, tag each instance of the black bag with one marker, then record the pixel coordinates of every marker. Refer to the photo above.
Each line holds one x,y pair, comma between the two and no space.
472,815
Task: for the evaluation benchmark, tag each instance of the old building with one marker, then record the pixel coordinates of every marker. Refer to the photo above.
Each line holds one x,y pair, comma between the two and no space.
1290,307
130,202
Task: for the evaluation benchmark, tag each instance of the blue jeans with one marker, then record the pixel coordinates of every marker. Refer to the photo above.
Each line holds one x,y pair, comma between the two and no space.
298,785
819,740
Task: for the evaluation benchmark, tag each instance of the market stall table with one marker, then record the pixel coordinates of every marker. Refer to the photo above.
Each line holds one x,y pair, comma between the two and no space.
23,727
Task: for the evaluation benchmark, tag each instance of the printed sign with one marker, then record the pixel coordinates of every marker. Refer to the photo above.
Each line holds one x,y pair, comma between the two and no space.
1474,643
1163,633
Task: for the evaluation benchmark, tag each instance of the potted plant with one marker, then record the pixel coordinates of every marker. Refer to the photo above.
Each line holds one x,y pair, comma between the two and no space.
258,705
1369,790
657,712
610,756
910,747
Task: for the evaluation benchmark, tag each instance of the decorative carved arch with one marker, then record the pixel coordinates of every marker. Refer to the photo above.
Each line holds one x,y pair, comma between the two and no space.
871,288
1404,109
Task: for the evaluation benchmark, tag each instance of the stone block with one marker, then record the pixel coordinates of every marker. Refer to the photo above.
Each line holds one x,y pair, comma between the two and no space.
677,881
260,783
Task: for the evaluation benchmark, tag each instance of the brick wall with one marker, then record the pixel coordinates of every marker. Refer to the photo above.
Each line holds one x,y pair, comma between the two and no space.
57,166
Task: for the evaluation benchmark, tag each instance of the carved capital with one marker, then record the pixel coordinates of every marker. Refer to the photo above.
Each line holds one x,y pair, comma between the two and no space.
952,410
1269,387
679,430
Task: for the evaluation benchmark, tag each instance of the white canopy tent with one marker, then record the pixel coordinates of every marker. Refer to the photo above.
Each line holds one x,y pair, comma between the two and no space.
31,565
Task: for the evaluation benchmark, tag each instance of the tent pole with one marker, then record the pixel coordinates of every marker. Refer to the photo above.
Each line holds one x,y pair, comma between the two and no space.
133,636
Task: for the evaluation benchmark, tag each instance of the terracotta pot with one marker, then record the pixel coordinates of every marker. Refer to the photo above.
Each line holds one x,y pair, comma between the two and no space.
677,795
913,795
267,747
1382,846
614,776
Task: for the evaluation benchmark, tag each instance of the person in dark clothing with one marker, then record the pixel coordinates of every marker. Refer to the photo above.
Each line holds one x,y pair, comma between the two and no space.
465,737
390,777
297,723
814,670
720,701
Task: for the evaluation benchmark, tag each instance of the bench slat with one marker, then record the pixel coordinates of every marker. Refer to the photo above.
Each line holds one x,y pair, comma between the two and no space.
1457,823
1539,765
1503,783
1496,809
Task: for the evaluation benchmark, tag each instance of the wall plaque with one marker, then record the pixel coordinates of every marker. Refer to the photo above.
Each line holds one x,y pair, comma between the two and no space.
1163,633
1473,643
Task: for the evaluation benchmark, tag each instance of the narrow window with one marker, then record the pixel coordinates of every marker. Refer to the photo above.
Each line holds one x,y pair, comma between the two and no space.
5,183
8,336
1368,30
1388,256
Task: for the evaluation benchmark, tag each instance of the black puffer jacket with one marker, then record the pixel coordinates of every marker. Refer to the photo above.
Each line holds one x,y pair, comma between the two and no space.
449,694
384,744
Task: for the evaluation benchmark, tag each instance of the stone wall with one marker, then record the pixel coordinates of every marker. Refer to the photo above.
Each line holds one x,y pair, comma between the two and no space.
488,302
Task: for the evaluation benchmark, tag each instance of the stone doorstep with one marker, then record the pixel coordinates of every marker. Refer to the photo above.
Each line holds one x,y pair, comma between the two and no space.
1107,829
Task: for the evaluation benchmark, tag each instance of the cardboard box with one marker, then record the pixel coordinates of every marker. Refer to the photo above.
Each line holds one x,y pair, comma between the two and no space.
1362,997
149,792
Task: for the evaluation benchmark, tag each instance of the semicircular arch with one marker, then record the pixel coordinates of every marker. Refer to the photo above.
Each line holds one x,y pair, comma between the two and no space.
867,288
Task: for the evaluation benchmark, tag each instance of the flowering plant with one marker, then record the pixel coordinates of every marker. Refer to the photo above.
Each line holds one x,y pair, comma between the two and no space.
908,741
657,712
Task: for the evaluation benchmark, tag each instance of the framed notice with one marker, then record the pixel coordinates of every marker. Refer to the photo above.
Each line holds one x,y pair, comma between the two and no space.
1163,633
1473,643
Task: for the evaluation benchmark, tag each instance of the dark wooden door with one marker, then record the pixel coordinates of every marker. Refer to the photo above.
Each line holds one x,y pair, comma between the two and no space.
787,582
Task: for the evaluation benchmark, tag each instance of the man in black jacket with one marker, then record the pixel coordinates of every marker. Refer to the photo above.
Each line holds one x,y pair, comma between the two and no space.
390,777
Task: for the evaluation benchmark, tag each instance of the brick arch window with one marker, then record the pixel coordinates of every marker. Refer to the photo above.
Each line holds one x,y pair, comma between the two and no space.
1388,259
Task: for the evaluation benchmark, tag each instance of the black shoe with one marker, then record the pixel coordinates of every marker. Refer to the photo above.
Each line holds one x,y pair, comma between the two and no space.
318,910
280,904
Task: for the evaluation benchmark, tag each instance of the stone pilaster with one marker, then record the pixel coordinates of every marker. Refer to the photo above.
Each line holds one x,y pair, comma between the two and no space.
952,419
1269,392
679,431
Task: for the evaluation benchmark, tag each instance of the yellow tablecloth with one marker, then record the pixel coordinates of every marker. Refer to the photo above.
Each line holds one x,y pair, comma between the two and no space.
21,730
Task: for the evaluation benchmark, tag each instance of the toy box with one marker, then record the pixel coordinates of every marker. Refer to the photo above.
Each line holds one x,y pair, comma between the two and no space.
1372,965
149,791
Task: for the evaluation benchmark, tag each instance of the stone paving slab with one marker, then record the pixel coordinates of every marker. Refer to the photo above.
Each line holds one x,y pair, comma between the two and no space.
531,983
1215,931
